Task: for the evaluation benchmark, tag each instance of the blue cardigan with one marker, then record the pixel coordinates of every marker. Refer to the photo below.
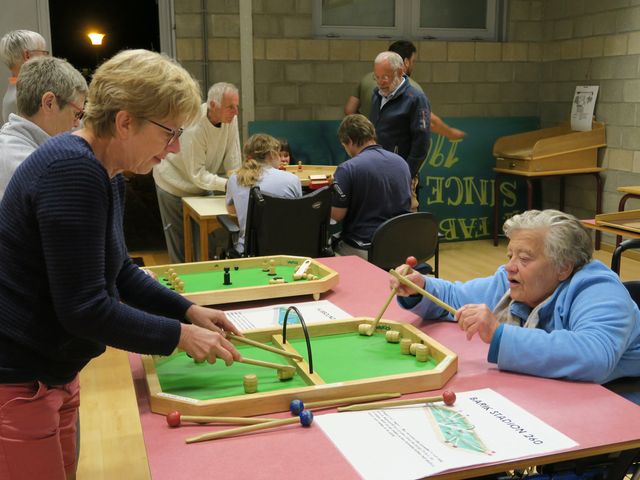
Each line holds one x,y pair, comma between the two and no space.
65,271
588,330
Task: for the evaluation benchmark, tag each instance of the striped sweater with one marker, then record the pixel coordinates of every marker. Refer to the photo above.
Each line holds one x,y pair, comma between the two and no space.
67,285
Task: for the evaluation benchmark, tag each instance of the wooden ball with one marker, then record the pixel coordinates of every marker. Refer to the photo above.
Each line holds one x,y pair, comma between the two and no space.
449,397
250,382
296,406
173,419
405,346
392,336
306,418
364,329
286,373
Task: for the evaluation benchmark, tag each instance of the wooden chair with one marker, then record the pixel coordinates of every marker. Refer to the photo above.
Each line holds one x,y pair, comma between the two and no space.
291,226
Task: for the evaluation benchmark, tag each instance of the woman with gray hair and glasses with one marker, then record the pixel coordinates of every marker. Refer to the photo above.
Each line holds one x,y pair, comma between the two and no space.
550,311
51,96
67,285
16,48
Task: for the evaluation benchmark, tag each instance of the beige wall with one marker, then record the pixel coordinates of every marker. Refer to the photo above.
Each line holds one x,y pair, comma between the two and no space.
553,46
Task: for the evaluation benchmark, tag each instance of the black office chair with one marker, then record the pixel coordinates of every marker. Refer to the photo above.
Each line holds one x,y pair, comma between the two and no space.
617,253
287,226
411,234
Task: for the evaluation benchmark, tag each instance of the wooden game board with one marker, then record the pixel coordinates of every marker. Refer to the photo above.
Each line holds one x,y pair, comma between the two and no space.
313,175
345,364
204,281
627,220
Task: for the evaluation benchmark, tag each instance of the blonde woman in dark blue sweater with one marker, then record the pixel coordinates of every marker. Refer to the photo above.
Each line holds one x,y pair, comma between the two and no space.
67,285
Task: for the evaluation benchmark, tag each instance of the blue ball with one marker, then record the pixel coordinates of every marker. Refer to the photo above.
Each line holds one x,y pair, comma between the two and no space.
306,418
296,406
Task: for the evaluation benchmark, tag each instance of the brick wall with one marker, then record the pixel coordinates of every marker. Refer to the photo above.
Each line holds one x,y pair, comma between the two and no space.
553,46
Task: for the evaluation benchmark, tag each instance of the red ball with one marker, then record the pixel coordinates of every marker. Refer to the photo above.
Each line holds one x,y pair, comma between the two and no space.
411,261
449,397
173,419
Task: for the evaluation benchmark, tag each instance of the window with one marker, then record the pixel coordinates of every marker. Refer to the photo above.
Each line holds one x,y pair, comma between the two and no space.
417,19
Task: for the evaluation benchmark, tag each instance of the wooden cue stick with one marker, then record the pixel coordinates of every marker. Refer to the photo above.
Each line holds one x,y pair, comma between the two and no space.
351,400
391,403
376,321
269,348
237,431
232,420
423,292
262,363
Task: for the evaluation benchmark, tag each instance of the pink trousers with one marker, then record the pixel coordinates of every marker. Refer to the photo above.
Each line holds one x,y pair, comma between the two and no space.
38,430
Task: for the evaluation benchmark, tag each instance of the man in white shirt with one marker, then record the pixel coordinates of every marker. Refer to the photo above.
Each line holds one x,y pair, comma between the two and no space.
209,151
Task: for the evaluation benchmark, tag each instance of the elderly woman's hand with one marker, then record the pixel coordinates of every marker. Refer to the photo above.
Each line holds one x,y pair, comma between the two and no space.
401,289
473,318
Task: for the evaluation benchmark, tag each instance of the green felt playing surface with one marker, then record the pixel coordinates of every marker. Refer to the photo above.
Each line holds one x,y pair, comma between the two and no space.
336,358
350,356
180,375
243,277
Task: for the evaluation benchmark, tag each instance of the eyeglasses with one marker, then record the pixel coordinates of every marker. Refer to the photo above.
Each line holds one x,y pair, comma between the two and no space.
79,111
383,78
43,52
175,132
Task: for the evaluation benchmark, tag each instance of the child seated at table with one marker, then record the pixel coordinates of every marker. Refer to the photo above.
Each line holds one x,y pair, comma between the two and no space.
260,167
286,155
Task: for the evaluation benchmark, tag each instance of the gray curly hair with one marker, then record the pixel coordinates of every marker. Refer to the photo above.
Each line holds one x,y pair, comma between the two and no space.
217,91
395,60
14,43
567,240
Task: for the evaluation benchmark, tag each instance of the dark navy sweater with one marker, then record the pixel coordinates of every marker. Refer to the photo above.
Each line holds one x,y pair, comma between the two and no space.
403,124
65,271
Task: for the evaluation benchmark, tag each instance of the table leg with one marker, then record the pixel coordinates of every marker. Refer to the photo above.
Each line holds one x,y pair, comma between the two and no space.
187,236
529,193
599,187
204,241
562,194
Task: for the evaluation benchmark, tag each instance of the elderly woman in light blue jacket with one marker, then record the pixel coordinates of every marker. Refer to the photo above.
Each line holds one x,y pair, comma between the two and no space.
550,311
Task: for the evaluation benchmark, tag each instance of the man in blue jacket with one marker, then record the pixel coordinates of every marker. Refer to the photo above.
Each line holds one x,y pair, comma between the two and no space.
550,311
400,114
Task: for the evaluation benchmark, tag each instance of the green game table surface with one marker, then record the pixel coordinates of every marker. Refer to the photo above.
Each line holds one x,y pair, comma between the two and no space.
336,358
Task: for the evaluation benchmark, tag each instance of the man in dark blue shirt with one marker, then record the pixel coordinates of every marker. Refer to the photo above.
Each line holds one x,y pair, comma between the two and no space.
401,115
375,184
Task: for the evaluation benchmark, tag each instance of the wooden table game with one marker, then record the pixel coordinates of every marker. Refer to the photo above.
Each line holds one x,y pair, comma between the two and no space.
345,364
204,282
313,176
292,452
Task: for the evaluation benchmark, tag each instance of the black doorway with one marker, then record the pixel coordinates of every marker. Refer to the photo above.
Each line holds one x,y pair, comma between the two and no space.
126,24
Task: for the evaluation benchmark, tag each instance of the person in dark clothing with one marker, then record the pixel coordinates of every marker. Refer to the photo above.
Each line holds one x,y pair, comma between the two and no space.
400,114
67,285
375,184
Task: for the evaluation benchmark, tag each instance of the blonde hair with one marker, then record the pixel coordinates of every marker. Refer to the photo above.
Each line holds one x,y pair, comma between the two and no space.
258,151
146,84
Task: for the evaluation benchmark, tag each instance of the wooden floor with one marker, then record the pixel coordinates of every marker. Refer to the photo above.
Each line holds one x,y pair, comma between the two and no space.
111,437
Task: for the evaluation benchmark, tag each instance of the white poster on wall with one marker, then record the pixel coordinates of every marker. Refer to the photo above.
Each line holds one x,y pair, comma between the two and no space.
584,102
